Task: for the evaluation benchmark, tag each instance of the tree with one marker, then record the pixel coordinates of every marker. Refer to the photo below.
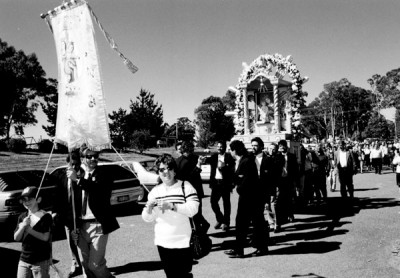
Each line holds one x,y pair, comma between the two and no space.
378,127
212,124
22,79
186,129
386,89
146,114
229,100
140,140
49,106
341,109
119,131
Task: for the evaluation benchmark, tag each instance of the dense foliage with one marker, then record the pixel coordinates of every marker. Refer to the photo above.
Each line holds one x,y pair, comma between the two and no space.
23,80
212,124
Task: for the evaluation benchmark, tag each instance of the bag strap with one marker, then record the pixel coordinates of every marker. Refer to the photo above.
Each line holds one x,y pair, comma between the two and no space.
184,197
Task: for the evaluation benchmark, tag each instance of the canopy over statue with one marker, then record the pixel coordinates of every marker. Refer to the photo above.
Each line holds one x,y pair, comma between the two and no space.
267,105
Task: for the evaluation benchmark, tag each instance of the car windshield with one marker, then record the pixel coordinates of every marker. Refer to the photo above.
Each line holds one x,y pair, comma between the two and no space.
18,180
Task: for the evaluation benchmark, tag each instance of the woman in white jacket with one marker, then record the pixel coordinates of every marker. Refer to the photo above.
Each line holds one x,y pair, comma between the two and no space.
169,205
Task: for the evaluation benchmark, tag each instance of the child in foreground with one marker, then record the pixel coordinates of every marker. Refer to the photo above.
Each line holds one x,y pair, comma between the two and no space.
33,230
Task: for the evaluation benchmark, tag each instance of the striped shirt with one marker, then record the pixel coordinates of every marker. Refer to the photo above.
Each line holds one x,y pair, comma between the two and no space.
172,228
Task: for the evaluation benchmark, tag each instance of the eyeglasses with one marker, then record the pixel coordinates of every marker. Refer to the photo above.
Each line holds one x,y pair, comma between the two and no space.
90,156
162,170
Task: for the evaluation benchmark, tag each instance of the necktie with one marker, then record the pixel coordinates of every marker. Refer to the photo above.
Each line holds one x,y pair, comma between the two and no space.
85,199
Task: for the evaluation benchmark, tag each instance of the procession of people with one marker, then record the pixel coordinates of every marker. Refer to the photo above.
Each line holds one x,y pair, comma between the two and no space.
272,183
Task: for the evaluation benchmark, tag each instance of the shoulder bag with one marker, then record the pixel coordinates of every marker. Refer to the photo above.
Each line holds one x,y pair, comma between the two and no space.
200,243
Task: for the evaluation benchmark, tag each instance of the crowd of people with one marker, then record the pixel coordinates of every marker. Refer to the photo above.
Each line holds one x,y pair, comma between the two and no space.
270,182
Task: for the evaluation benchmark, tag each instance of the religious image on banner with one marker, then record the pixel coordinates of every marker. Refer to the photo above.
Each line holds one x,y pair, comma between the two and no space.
82,115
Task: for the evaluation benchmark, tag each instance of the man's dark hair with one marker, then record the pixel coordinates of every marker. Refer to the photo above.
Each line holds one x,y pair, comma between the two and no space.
177,145
168,160
187,147
259,141
282,143
74,155
222,142
238,147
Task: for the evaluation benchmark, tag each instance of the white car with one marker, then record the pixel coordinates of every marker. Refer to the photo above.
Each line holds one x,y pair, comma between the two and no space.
125,188
145,170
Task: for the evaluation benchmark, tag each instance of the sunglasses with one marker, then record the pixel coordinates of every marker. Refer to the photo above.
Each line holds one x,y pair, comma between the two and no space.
90,156
162,170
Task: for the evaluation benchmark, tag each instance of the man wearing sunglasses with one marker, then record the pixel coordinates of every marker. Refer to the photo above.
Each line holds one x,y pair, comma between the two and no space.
96,218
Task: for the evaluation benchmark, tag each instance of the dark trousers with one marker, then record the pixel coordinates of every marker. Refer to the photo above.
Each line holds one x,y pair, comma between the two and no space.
176,262
320,185
346,182
218,191
377,164
250,210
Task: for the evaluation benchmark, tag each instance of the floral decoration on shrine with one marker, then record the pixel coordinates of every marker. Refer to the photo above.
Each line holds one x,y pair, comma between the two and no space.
278,66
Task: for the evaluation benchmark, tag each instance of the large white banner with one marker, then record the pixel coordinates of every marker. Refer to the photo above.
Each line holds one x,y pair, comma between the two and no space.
82,115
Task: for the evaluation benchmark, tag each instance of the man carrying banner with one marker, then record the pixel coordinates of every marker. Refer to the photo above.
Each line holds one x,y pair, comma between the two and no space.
65,212
96,219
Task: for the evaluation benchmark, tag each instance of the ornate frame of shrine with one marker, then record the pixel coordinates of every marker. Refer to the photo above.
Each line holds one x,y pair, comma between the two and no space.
270,69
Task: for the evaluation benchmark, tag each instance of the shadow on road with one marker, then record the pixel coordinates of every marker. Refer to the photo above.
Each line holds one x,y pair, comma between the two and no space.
366,189
316,247
137,266
308,275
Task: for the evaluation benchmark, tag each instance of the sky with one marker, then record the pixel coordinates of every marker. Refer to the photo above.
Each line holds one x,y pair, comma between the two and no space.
188,50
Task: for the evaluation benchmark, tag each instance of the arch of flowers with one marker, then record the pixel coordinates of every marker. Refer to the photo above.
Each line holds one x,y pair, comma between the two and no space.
278,66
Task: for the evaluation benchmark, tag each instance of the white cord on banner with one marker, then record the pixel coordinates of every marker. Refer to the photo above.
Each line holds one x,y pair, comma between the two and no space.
126,163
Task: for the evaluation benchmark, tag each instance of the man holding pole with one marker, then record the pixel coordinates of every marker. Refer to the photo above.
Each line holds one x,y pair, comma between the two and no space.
66,212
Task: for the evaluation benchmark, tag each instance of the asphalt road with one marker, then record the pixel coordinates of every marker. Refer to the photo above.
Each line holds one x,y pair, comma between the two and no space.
328,241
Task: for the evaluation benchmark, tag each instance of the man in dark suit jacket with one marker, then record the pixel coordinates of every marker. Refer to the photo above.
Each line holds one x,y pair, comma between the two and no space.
221,183
346,167
63,210
247,186
265,179
97,219
189,169
286,178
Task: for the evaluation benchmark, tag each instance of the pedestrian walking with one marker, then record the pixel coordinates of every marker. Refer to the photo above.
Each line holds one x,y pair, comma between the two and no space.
34,231
96,220
376,157
346,167
67,213
246,181
286,177
189,169
169,205
396,162
222,167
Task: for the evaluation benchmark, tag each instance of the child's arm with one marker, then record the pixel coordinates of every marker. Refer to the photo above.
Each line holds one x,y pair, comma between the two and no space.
19,232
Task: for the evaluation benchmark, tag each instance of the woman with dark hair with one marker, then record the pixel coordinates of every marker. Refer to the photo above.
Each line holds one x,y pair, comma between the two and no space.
169,205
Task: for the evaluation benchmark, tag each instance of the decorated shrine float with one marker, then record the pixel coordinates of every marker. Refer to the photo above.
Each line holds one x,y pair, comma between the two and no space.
267,105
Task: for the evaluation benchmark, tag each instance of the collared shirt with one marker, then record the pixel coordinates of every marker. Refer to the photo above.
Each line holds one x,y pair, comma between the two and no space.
89,214
218,174
259,158
342,158
284,170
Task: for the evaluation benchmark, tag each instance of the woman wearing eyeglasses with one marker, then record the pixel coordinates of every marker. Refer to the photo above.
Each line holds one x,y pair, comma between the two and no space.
169,206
